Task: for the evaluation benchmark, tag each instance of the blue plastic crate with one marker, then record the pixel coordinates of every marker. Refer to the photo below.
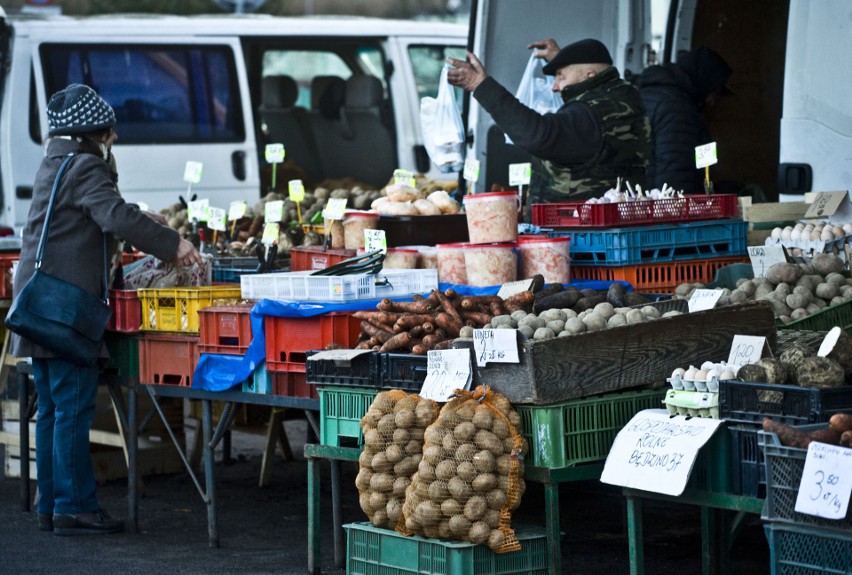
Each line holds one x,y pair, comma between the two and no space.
798,549
654,244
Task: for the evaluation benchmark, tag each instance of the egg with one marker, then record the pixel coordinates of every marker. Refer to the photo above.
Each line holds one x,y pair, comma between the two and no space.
847,227
816,234
707,365
826,235
776,233
727,374
712,380
796,234
838,232
799,226
785,233
689,378
700,380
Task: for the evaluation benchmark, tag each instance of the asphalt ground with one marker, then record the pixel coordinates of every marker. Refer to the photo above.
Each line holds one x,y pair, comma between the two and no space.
264,530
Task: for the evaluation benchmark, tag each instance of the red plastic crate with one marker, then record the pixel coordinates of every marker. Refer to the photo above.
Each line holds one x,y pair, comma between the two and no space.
225,329
311,258
126,311
659,277
168,359
292,384
288,338
636,213
6,263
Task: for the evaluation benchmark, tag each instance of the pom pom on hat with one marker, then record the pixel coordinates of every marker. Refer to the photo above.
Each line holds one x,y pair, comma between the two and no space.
588,51
78,110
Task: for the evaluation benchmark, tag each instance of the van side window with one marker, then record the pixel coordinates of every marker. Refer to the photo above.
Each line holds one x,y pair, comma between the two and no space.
302,66
426,62
161,94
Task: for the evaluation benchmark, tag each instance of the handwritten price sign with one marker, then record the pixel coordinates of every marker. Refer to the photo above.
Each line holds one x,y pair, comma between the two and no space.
746,349
495,346
704,299
762,257
826,481
447,371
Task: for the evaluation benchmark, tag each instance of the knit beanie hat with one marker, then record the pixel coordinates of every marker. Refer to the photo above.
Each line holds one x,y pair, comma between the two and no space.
78,110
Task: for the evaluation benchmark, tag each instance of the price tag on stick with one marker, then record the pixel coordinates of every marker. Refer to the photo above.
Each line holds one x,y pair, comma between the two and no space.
334,209
296,194
826,481
192,172
404,178
271,231
216,219
273,211
471,170
274,154
197,210
520,174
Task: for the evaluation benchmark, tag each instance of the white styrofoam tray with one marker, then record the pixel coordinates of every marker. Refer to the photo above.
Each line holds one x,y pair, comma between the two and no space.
302,286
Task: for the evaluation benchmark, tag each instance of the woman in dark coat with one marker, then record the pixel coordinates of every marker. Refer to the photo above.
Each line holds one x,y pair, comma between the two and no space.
88,210
674,95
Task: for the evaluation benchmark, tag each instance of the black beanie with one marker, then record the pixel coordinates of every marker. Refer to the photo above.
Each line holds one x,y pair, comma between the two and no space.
78,110
588,51
708,71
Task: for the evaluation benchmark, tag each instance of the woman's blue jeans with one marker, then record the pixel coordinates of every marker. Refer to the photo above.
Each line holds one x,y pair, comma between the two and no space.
66,406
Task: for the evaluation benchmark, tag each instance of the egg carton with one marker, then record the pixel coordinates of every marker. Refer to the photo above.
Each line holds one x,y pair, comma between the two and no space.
705,378
692,403
811,247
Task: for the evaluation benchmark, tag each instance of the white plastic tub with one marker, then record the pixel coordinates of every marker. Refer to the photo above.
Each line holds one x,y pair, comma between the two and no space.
451,264
354,224
490,264
492,217
549,257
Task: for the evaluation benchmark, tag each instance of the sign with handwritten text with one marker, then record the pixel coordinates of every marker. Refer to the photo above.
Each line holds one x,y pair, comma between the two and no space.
237,209
746,349
495,346
216,218
520,174
705,155
656,452
375,240
471,170
762,257
704,299
192,172
826,481
447,371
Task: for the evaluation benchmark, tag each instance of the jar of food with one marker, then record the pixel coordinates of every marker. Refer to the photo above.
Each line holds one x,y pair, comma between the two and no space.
492,217
335,228
546,256
490,264
451,265
428,258
401,258
354,224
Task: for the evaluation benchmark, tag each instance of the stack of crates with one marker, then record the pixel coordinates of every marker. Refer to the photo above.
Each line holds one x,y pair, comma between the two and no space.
799,542
655,245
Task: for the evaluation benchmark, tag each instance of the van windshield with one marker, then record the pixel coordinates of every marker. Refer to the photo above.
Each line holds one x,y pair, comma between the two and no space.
160,94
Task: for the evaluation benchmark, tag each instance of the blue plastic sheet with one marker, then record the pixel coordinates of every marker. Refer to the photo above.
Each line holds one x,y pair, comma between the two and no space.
217,372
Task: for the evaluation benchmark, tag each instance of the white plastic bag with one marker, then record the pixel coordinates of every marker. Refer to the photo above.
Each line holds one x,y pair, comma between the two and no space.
536,89
443,132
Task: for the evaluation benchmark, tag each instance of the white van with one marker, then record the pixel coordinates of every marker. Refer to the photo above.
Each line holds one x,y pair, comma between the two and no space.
788,128
342,95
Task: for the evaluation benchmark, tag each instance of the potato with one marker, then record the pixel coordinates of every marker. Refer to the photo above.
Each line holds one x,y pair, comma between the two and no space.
500,428
444,531
362,480
825,264
464,431
459,489
604,309
544,333
445,469
593,321
433,454
496,499
575,325
414,447
407,466
372,438
401,437
400,484
482,418
386,425
492,518
475,507
438,491
428,513
784,273
826,290
381,482
467,471
394,453
451,507
426,471
487,440
479,533
459,525
496,539
484,461
393,510
635,316
484,482
617,320
465,452
364,503
380,462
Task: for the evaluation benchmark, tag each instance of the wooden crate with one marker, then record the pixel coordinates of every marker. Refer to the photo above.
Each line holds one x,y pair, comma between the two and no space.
592,363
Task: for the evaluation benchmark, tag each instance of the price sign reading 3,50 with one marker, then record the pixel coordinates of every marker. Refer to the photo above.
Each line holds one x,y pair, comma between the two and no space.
826,481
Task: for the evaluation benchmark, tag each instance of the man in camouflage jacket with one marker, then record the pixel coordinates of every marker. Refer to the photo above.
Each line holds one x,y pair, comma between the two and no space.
600,133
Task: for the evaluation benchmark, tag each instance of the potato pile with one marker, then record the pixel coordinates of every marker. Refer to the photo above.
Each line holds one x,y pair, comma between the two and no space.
403,200
393,431
470,478
794,290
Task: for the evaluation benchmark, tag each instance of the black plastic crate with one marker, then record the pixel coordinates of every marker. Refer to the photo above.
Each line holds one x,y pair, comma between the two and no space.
745,402
748,476
362,371
403,371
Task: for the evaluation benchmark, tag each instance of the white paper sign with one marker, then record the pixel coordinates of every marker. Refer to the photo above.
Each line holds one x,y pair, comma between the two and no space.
832,205
296,190
495,346
216,218
746,349
404,178
762,257
447,371
274,153
375,240
509,289
237,209
197,209
826,481
520,174
471,170
273,211
705,155
703,299
339,355
656,452
334,209
192,172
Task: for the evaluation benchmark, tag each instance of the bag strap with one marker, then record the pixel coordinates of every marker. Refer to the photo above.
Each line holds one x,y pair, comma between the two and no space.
51,204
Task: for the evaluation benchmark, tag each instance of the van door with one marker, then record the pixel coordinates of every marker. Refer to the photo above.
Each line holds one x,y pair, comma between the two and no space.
501,34
175,101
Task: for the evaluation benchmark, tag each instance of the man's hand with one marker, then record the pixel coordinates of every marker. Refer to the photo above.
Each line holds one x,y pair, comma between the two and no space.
467,75
187,254
547,49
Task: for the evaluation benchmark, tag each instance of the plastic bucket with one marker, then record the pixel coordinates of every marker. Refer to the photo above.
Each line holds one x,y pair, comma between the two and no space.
490,264
549,257
451,264
399,258
492,217
354,224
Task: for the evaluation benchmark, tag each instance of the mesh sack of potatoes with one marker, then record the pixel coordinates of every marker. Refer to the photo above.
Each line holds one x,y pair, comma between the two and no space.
393,431
470,477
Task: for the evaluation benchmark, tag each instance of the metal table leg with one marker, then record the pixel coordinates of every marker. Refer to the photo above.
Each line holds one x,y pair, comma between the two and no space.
313,516
635,542
132,461
336,513
24,421
551,512
209,454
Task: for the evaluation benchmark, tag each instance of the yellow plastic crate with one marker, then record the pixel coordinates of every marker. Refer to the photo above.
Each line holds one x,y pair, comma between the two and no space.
176,309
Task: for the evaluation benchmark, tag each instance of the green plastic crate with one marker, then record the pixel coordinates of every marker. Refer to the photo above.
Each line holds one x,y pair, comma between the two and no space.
374,551
123,354
341,410
581,430
834,315
795,549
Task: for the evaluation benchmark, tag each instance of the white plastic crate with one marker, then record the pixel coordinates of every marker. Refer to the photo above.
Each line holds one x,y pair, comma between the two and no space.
301,286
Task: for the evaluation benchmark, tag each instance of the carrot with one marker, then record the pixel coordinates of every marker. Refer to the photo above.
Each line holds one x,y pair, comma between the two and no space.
841,422
443,344
827,435
451,293
496,307
428,327
396,342
416,332
419,349
479,318
473,302
787,435
521,301
429,341
365,314
364,344
846,438
449,324
448,307
423,306
388,317
406,322
374,331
